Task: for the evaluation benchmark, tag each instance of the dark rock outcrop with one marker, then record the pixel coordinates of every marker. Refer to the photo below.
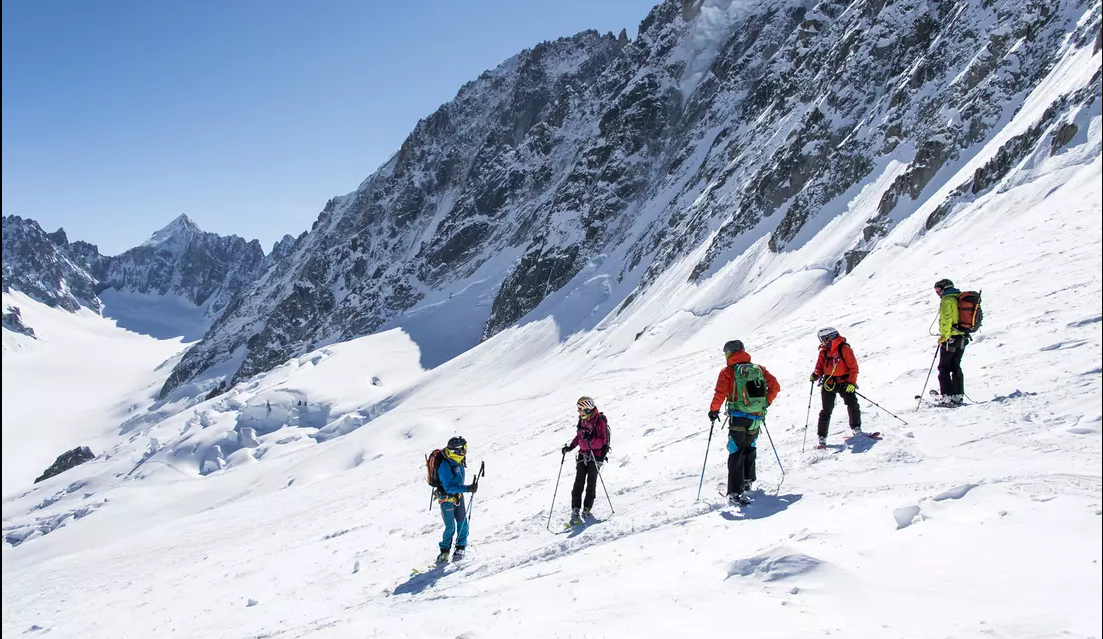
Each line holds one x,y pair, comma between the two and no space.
40,265
13,321
67,460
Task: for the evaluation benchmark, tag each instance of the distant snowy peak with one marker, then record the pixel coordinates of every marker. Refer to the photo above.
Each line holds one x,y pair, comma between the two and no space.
176,234
181,260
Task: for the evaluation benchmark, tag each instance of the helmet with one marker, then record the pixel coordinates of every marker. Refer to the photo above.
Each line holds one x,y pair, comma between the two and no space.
586,405
827,333
458,445
456,449
944,283
733,346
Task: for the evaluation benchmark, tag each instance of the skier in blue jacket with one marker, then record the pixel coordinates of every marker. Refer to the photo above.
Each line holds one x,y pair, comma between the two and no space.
450,494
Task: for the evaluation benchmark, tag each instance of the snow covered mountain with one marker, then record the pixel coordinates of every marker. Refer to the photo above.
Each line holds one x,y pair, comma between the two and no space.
203,268
199,270
46,267
293,504
565,182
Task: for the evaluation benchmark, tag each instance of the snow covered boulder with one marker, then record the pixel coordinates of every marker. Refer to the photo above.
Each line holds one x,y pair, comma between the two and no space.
67,460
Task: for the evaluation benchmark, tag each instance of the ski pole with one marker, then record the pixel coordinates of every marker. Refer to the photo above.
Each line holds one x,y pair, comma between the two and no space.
560,476
776,456
594,460
919,397
482,472
808,416
880,406
707,447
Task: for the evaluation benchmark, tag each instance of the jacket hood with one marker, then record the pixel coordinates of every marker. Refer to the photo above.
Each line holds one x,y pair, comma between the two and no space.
741,357
833,345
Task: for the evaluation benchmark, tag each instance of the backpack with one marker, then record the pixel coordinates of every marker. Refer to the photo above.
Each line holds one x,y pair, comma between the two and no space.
432,464
748,389
969,314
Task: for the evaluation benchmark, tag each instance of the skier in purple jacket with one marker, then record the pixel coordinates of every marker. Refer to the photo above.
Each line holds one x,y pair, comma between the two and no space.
592,441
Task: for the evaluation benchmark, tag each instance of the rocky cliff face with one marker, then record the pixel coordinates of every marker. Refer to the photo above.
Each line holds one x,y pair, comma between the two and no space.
41,265
598,158
205,269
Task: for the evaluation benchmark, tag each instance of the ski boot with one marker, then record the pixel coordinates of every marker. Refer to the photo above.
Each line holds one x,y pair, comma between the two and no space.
748,485
458,553
442,558
576,518
823,443
946,401
738,499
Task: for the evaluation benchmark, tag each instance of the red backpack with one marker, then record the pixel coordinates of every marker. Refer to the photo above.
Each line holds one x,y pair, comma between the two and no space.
969,314
432,465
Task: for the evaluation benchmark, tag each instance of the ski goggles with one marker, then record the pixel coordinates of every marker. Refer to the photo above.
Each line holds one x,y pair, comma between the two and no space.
586,412
456,455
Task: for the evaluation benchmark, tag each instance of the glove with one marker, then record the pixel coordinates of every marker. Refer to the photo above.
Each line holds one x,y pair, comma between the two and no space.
604,452
473,488
943,340
714,415
850,388
567,448
813,378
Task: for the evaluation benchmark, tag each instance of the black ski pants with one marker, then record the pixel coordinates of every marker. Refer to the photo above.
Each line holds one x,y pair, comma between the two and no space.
951,381
741,460
585,478
837,387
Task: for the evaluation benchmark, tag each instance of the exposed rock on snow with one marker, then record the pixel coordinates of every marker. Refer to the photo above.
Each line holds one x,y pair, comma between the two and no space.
13,321
67,460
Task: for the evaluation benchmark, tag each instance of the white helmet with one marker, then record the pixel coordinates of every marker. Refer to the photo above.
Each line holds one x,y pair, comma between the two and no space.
827,333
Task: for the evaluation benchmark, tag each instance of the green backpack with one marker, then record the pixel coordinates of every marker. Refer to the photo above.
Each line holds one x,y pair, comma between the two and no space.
748,390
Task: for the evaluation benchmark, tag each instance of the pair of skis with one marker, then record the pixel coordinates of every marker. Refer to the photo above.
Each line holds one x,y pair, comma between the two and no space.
876,436
934,400
439,568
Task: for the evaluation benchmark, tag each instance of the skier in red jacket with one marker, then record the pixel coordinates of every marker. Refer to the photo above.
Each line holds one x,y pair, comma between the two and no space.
837,372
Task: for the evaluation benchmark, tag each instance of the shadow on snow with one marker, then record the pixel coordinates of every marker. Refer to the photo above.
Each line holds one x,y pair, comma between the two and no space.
762,507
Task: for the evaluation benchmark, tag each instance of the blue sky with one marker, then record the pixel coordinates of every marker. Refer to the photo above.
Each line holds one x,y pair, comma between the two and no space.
247,115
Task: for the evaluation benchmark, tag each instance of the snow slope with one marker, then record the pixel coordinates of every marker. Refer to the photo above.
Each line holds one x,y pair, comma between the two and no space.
294,504
105,372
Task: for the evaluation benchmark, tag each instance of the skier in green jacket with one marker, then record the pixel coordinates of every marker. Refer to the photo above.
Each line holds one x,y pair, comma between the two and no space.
952,341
